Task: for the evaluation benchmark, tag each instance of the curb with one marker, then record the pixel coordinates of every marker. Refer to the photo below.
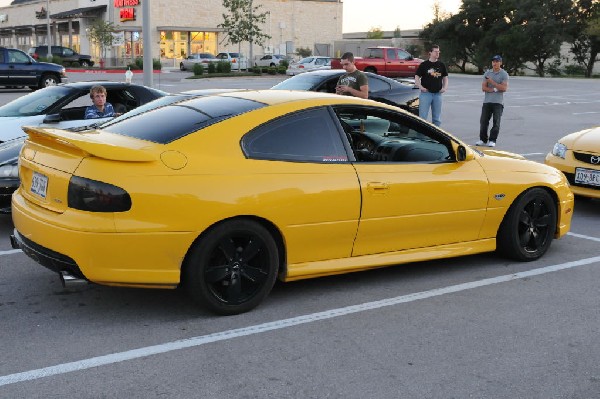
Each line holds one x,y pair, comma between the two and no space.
102,71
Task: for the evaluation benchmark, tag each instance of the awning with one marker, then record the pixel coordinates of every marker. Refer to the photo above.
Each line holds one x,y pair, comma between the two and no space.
79,12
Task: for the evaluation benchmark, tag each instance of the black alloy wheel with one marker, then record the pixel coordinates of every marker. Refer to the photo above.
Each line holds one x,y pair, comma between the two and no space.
233,268
529,226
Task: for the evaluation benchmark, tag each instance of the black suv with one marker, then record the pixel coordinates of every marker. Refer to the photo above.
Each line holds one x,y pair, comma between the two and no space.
19,69
65,53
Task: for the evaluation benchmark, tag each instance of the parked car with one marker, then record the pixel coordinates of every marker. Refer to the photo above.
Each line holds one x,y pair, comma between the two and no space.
308,64
17,68
66,54
237,60
269,60
577,155
198,58
225,193
386,61
389,91
60,107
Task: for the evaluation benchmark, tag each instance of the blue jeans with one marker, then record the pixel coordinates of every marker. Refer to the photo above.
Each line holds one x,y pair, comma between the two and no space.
494,111
434,101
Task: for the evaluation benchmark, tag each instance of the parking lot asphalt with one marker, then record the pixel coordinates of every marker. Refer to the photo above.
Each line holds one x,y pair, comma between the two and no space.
478,326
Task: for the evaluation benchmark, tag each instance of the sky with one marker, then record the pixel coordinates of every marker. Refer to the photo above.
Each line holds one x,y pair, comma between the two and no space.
363,15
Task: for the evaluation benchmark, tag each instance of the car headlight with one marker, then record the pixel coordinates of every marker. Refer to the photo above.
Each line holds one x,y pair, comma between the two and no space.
10,170
559,150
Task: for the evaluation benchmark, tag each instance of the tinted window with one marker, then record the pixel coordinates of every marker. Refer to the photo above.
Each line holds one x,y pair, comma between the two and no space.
391,54
374,53
35,103
308,136
172,122
304,81
377,84
403,55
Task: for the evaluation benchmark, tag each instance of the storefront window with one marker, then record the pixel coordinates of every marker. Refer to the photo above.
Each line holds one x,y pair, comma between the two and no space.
180,44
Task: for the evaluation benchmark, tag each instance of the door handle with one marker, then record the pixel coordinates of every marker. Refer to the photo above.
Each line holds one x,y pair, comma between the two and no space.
378,187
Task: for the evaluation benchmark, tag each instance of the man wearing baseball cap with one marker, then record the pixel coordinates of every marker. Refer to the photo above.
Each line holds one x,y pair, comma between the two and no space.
495,83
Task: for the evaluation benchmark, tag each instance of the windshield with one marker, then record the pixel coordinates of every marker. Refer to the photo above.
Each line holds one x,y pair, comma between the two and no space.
306,60
35,103
305,81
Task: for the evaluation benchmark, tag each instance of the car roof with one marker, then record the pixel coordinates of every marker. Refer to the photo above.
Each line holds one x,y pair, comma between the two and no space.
106,83
275,97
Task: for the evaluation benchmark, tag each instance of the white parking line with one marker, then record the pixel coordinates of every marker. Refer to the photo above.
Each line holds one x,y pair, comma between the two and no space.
585,237
11,251
275,325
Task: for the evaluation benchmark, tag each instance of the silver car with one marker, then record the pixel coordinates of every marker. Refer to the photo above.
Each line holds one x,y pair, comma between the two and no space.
307,64
199,58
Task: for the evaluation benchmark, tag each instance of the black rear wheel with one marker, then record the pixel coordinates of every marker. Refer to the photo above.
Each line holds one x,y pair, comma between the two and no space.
233,268
528,227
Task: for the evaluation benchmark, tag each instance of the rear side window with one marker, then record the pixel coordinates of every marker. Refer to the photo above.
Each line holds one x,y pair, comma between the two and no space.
174,121
308,136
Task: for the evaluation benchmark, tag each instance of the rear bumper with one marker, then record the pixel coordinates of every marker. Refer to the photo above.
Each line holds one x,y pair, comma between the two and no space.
46,257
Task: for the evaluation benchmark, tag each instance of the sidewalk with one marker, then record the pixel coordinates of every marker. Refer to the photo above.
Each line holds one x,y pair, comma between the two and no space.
102,71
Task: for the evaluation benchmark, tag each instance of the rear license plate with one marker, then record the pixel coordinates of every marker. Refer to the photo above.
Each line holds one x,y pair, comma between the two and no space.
39,184
587,176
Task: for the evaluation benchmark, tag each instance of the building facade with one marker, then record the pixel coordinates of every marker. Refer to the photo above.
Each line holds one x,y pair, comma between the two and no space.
177,27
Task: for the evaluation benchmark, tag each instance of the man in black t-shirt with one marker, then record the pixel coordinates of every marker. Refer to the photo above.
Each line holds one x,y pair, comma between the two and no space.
432,79
353,82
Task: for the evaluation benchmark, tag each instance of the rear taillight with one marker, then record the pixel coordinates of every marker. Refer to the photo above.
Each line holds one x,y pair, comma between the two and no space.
96,196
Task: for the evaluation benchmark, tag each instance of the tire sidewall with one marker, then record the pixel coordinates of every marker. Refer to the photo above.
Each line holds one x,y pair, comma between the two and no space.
199,257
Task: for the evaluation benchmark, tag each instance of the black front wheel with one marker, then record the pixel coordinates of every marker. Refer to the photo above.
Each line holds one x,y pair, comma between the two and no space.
48,80
232,268
528,227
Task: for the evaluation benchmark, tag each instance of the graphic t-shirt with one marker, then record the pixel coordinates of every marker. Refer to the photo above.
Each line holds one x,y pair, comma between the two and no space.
354,80
431,74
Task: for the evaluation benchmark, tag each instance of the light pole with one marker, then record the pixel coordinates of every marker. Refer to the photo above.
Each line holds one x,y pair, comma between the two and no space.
49,56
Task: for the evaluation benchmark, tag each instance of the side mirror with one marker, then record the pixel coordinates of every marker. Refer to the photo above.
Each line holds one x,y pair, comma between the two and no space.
52,118
462,154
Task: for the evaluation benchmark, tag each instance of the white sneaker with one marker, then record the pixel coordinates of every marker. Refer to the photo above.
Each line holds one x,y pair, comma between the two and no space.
480,142
491,143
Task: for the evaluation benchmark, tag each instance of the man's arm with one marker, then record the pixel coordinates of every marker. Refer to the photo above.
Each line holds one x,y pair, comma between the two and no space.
502,87
444,84
418,84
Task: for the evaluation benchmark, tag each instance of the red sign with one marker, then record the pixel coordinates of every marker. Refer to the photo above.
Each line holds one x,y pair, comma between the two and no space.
126,3
127,14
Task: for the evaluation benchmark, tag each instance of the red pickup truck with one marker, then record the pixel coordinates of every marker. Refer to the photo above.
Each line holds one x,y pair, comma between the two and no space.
387,61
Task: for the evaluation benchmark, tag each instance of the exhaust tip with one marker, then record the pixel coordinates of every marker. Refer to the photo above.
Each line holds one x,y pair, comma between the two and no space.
67,279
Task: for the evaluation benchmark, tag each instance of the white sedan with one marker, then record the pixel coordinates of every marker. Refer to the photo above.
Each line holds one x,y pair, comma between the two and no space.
269,60
198,58
308,64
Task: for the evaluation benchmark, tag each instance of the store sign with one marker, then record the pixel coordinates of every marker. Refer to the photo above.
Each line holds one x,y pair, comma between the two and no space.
118,38
127,14
126,3
3,17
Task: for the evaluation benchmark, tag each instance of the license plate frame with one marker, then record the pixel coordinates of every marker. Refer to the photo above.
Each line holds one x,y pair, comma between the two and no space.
590,177
39,184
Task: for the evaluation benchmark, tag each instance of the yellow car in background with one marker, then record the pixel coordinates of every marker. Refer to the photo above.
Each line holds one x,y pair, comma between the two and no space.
577,155
225,193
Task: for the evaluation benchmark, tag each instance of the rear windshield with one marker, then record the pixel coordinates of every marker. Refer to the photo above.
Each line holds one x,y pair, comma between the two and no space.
174,121
303,81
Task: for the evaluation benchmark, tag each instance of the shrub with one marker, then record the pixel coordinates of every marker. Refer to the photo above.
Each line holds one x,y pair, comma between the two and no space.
575,70
212,68
272,70
257,70
139,64
198,69
284,63
281,69
223,66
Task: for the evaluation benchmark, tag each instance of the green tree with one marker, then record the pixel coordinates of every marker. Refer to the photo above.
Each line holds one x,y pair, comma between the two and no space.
303,52
397,32
100,33
585,31
375,33
242,21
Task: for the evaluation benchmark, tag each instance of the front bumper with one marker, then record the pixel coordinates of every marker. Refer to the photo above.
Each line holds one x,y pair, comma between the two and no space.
567,167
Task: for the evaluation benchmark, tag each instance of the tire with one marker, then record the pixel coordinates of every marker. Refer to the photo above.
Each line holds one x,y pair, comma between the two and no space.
232,268
48,80
370,69
272,64
528,227
84,63
181,67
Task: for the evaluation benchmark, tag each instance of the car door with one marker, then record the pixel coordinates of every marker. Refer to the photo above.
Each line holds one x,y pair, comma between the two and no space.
3,69
21,71
408,65
393,65
414,192
306,155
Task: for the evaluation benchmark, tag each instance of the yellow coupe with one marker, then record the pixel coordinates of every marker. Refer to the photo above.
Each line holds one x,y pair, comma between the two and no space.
577,155
224,194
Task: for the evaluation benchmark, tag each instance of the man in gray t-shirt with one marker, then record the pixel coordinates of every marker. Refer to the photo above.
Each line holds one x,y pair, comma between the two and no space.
495,83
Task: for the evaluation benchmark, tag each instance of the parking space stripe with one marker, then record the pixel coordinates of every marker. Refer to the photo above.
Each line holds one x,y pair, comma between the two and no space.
582,236
11,251
276,325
